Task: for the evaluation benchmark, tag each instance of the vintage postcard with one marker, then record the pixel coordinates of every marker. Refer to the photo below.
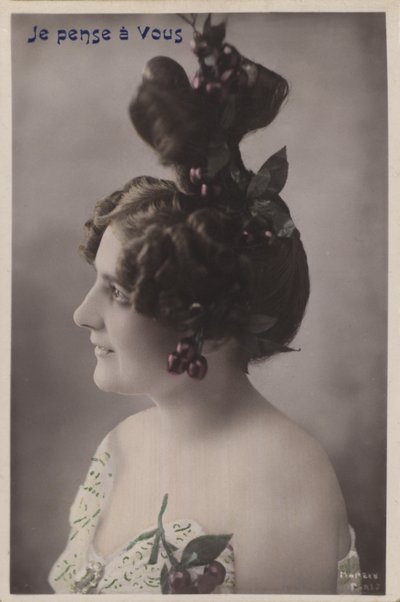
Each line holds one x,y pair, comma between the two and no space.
283,134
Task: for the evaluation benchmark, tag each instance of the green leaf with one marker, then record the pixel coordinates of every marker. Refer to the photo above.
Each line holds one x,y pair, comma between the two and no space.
229,112
277,168
271,177
261,323
259,185
259,345
164,580
267,347
207,24
218,156
273,210
249,342
204,549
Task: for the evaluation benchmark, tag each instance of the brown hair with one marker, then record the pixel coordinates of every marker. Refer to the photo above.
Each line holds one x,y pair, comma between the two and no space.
180,248
177,252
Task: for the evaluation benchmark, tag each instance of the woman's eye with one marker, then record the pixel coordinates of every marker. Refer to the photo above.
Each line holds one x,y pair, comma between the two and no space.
118,295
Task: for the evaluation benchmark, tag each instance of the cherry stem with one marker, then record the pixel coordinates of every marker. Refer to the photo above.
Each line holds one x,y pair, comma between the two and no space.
191,22
161,532
199,339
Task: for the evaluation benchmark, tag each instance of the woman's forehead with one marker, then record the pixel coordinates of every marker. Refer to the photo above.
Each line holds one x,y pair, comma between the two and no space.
108,252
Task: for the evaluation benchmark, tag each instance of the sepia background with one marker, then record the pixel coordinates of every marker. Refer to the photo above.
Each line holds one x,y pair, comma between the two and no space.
73,143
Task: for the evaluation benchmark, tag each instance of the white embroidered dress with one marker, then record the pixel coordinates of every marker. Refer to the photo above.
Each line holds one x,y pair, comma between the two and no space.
80,569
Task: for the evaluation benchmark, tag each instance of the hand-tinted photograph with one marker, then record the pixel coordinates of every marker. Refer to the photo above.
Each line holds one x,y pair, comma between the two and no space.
199,321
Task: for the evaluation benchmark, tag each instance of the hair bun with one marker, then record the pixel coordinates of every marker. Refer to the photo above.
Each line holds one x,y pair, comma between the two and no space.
167,72
168,114
187,124
257,105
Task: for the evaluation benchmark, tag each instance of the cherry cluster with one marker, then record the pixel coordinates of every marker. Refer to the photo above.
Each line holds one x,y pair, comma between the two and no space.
198,175
187,358
221,75
180,580
222,68
256,233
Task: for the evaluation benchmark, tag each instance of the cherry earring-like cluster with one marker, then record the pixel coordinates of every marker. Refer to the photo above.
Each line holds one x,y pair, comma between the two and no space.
187,358
223,70
254,238
222,73
180,581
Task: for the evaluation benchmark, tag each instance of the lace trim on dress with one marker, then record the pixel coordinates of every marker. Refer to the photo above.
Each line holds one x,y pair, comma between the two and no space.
349,574
80,569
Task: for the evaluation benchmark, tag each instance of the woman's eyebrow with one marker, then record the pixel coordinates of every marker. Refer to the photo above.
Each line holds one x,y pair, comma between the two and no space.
108,277
104,275
112,278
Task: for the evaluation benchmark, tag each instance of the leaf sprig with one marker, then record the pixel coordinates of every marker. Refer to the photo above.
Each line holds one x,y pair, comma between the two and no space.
263,194
200,551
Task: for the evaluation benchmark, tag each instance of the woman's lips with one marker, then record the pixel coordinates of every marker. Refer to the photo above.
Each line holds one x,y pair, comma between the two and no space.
102,351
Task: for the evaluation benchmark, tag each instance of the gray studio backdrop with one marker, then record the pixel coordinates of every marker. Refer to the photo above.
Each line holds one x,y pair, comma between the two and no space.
73,143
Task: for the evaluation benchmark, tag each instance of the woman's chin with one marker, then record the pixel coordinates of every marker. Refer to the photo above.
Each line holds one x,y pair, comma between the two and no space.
104,383
111,385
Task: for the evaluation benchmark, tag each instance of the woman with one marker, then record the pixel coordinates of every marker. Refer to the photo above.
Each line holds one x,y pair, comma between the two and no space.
213,489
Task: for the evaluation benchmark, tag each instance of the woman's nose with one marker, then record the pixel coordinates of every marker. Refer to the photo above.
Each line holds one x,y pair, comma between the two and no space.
88,314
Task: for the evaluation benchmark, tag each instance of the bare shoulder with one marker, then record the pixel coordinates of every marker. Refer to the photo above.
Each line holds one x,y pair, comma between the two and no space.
302,457
130,434
284,451
296,506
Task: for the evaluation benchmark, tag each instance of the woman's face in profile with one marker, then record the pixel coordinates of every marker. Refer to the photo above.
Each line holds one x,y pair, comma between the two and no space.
131,349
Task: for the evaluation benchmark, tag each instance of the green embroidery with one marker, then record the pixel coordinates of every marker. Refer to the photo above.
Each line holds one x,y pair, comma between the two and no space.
176,525
64,572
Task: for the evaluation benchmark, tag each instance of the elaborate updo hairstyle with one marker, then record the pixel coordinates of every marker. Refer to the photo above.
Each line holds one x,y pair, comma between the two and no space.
216,249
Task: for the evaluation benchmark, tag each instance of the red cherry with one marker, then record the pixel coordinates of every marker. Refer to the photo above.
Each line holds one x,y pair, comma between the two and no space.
197,368
216,570
196,82
200,47
186,348
179,580
269,237
204,190
242,79
213,87
195,174
206,584
248,237
227,75
176,364
192,175
231,56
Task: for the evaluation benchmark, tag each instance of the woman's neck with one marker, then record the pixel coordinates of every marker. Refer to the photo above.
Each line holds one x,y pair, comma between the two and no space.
191,409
